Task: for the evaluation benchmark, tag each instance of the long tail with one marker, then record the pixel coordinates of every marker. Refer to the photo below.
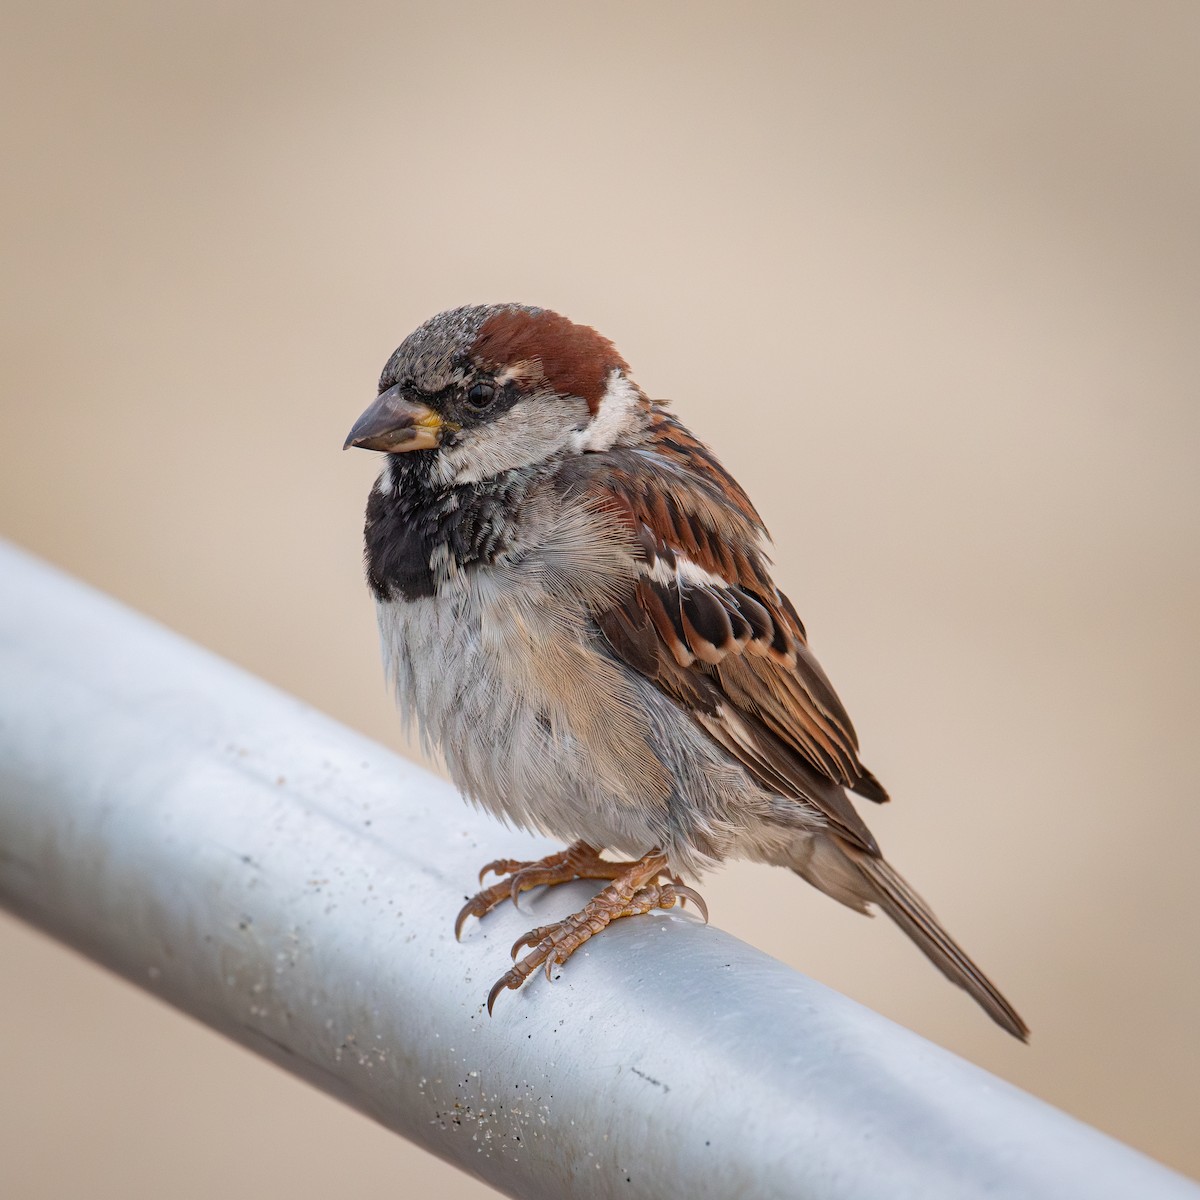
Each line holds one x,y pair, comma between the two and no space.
887,888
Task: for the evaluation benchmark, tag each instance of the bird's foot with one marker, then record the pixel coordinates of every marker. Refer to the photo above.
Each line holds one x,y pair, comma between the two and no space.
579,861
634,891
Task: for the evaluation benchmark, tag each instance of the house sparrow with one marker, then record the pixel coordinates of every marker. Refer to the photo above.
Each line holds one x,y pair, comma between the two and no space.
577,610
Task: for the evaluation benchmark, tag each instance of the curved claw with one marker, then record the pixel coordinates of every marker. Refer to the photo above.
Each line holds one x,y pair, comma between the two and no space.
461,920
530,938
691,894
497,988
518,884
496,866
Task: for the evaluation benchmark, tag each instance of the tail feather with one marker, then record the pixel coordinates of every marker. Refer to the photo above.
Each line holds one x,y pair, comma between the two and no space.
858,878
913,915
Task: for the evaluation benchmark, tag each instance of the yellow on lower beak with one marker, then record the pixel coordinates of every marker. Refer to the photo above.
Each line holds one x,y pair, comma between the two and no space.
395,424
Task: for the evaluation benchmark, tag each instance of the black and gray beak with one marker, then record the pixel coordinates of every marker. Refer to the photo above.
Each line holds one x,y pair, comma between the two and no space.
396,424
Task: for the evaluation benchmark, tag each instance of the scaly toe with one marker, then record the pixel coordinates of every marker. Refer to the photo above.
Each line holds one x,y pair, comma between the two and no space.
501,866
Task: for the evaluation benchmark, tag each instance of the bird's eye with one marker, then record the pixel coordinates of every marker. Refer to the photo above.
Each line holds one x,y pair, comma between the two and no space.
481,395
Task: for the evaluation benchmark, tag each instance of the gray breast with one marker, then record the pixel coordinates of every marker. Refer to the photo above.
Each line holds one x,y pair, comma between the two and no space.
567,743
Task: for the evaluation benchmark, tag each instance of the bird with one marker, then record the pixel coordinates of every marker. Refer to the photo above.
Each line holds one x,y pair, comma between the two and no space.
577,611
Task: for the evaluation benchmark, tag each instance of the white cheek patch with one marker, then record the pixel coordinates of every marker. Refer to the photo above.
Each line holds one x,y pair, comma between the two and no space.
617,414
386,483
528,433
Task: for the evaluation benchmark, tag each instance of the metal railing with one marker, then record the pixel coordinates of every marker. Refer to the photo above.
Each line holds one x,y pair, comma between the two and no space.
293,885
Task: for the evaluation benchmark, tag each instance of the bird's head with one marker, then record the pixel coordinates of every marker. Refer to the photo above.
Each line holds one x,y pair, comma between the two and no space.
490,388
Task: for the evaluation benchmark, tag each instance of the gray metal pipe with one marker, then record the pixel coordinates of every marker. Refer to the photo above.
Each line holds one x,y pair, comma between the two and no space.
293,885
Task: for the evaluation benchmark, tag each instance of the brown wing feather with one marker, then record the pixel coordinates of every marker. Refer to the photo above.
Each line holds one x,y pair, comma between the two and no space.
774,763
724,641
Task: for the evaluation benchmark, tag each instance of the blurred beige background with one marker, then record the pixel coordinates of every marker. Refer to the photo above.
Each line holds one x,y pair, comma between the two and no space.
927,276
